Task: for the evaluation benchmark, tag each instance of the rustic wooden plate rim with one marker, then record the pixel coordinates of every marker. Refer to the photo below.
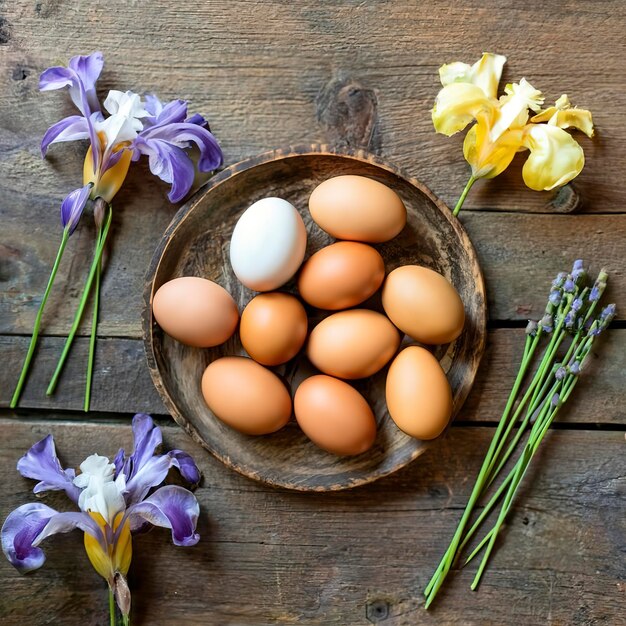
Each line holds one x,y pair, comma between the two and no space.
289,152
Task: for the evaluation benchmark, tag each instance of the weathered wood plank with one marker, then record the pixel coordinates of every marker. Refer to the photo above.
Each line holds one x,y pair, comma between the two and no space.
258,75
274,557
122,382
519,255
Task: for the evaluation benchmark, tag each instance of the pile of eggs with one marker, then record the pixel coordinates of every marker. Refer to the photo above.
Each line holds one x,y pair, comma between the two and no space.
267,250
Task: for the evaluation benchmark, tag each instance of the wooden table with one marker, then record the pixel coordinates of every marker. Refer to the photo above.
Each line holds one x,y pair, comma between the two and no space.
361,74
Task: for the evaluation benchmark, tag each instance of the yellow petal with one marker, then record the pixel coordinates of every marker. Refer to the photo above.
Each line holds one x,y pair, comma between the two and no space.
485,73
98,557
116,557
563,115
555,157
110,182
457,105
513,112
489,159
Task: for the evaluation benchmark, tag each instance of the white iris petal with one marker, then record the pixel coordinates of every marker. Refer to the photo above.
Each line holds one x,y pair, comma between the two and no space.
100,492
124,123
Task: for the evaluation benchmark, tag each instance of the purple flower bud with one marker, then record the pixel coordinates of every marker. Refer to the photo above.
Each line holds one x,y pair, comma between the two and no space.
595,329
531,328
555,399
577,304
570,320
547,323
560,373
555,297
569,285
607,315
72,207
578,271
559,280
574,368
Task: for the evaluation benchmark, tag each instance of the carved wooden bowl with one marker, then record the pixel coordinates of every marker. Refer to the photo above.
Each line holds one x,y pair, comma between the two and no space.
196,243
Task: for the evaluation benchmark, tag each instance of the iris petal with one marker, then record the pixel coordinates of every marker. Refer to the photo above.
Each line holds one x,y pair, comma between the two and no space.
41,463
19,531
457,105
69,128
170,507
555,157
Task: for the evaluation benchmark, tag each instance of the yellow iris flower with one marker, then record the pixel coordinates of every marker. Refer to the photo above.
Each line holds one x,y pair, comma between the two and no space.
503,126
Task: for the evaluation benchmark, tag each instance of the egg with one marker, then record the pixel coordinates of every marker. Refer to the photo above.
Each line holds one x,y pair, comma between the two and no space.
341,275
246,395
273,327
352,344
334,415
357,208
423,304
418,394
195,311
268,244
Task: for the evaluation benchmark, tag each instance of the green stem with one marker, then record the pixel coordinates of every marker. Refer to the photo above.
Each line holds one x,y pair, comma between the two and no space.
449,556
33,340
459,204
81,307
111,608
94,328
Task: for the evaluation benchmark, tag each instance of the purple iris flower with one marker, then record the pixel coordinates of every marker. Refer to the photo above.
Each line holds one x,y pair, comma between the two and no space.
126,125
115,500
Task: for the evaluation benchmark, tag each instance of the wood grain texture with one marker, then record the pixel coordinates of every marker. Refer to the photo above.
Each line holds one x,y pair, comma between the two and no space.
123,384
196,243
519,256
360,74
275,557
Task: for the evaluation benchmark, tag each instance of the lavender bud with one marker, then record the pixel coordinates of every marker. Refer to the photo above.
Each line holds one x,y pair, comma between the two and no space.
578,271
555,297
595,329
599,286
557,283
570,320
569,285
607,315
547,323
531,328
555,399
574,368
577,304
560,373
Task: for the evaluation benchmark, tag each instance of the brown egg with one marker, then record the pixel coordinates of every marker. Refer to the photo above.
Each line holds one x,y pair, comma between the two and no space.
418,394
273,327
352,344
334,415
195,311
246,395
341,275
357,208
423,304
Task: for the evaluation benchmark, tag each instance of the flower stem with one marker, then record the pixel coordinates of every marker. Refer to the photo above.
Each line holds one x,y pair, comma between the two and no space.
459,204
33,340
111,608
448,558
94,329
81,306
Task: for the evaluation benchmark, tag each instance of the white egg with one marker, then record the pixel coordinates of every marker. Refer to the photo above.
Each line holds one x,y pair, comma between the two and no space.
268,244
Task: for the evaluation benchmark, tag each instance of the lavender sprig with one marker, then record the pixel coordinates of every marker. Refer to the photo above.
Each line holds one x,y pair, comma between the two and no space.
569,313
